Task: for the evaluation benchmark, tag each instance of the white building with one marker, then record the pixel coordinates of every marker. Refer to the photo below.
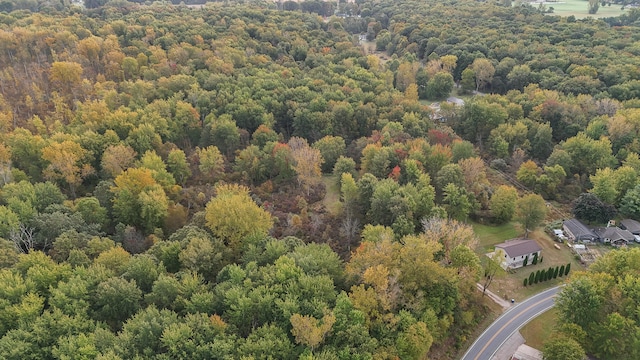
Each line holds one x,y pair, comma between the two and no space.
513,252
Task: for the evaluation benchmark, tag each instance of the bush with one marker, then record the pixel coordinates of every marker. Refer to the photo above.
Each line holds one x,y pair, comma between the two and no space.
526,260
525,281
567,269
532,276
535,259
537,276
555,272
561,272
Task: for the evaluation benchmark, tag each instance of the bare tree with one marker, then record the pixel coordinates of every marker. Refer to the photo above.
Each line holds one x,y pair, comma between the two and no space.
22,238
349,229
491,268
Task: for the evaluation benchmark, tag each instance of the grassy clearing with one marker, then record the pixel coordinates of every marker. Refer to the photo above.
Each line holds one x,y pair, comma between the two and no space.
332,197
491,235
538,331
579,9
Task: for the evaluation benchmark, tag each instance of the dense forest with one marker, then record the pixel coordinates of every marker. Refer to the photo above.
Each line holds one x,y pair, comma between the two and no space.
246,181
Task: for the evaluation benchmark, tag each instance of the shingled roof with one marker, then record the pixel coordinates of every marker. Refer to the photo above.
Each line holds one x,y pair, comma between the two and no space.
519,247
631,225
614,234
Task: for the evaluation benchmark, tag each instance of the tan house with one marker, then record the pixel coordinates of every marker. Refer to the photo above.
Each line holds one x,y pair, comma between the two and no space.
513,252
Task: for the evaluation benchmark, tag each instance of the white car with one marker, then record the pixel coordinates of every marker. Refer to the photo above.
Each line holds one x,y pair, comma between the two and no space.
559,234
637,237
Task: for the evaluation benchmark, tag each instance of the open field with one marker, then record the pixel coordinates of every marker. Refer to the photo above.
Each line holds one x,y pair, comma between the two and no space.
579,9
539,329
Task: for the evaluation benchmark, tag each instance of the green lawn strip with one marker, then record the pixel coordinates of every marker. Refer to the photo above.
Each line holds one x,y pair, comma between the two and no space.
490,235
539,330
332,197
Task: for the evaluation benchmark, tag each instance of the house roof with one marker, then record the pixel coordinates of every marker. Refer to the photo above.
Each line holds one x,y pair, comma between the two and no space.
519,247
455,100
577,228
614,233
631,225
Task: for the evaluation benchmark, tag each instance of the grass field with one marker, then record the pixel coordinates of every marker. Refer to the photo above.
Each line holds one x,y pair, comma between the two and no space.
491,235
539,329
579,9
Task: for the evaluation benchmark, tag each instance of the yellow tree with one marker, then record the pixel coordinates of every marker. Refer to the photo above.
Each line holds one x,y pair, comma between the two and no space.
484,71
65,163
232,215
116,159
309,331
5,164
307,163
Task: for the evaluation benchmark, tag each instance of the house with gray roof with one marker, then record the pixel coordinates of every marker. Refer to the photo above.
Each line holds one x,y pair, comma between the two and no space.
513,252
577,231
631,225
614,235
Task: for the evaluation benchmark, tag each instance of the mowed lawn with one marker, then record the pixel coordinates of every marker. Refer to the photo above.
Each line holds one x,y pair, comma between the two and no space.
580,9
539,330
490,235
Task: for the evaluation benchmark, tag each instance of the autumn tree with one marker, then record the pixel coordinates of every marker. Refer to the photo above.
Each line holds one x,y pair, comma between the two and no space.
138,199
232,216
307,163
484,72
66,162
116,159
310,332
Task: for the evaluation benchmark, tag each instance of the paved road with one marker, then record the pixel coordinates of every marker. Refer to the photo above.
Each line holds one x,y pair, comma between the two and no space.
508,323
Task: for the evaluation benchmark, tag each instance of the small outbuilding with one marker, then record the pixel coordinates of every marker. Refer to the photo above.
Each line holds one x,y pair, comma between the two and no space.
514,252
577,231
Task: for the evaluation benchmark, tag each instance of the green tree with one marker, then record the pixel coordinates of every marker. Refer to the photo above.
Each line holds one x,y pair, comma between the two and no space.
604,185
115,300
530,211
580,294
9,221
439,86
503,203
91,210
630,203
138,199
178,165
210,162
457,202
528,174
331,148
561,347
590,208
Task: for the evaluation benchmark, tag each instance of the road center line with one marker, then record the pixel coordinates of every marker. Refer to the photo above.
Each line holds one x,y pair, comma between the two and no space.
507,324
